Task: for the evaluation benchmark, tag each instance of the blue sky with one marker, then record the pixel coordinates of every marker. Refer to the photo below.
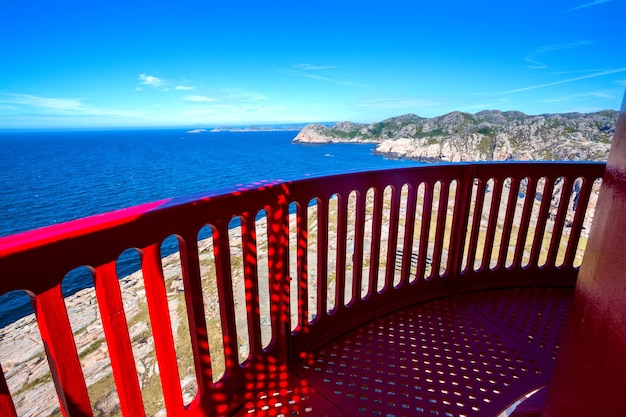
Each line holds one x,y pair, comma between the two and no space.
84,64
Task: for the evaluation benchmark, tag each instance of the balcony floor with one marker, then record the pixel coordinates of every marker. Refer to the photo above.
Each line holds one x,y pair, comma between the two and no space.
466,355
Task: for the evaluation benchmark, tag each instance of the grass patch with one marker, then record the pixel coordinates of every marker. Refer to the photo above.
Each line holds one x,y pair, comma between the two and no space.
44,379
91,348
99,391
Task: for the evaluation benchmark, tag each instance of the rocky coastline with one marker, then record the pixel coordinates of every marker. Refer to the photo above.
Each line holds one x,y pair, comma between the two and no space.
490,135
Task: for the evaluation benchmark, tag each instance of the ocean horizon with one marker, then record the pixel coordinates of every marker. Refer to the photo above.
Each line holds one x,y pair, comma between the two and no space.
55,176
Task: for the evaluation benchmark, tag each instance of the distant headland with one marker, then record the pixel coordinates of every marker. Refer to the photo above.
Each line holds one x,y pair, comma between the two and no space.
489,135
292,127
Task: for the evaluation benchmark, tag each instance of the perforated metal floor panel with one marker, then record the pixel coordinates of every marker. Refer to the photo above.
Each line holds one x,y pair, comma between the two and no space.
469,355
295,397
288,403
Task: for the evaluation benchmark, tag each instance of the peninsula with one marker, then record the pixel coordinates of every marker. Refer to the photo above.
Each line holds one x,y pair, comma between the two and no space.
489,135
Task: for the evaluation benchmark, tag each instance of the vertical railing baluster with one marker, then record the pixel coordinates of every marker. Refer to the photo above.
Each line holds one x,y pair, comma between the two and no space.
190,267
492,223
542,219
116,334
302,269
442,214
476,221
322,257
158,310
7,408
278,270
377,214
507,226
409,231
357,254
460,222
225,294
251,278
427,209
579,217
56,334
529,199
559,221
392,238
342,236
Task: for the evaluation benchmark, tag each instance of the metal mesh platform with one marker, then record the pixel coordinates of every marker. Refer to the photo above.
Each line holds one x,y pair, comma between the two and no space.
468,355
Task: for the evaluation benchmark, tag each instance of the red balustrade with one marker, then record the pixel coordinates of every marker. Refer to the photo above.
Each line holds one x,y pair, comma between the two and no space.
321,257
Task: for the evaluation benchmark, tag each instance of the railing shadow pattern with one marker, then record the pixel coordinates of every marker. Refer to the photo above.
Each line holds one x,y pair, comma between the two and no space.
334,253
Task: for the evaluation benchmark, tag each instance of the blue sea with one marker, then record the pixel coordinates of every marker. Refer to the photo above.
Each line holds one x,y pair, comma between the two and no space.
49,177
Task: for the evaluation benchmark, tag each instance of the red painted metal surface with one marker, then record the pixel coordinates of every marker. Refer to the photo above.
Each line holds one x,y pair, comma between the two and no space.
115,329
457,356
331,269
590,374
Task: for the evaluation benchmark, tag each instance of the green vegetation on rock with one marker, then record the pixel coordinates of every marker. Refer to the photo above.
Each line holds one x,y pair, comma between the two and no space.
486,135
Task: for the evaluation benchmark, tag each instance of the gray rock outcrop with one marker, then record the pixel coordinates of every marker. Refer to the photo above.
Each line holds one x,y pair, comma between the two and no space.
484,136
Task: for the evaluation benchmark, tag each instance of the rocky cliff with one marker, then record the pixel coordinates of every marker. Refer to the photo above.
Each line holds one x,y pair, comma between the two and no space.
484,136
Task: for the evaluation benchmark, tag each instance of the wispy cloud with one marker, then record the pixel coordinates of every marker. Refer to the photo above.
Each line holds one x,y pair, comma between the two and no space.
150,80
200,99
183,87
589,4
568,80
47,103
398,103
309,71
243,95
57,108
580,97
332,80
228,105
484,106
533,57
586,71
309,67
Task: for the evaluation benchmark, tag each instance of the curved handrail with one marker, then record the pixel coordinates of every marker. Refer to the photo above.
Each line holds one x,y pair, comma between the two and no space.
450,241
456,215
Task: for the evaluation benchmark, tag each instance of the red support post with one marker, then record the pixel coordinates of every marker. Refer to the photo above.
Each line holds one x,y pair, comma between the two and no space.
56,333
590,371
7,408
118,340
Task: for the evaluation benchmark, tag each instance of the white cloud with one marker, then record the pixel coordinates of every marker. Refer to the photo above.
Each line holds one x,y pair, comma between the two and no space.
580,97
183,87
244,96
331,80
569,80
305,71
305,74
576,71
589,4
46,107
200,99
54,104
398,103
483,106
150,80
309,67
532,58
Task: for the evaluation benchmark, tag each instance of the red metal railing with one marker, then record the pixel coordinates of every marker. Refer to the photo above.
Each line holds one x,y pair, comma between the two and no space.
340,251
